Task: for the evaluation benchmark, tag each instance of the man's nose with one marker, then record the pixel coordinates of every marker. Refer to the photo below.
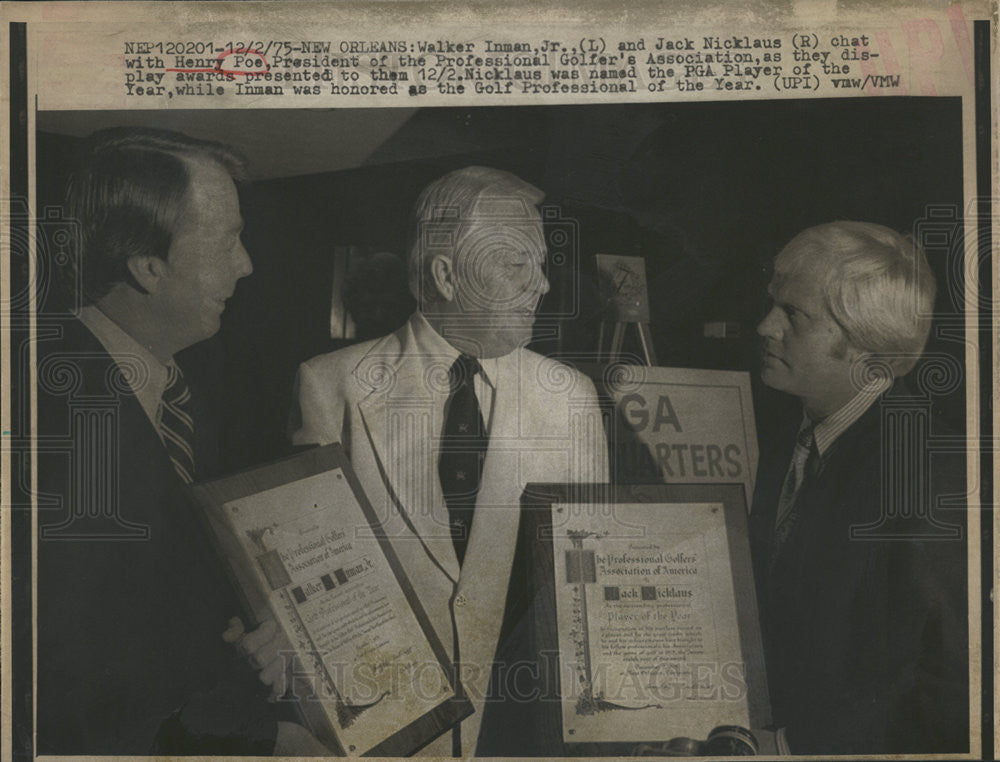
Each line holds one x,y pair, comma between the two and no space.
243,266
540,281
543,283
770,326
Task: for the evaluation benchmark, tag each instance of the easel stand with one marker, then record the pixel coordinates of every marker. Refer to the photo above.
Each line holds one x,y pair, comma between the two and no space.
616,328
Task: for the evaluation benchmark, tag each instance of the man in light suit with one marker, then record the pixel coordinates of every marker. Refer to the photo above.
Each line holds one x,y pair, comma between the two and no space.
857,527
447,419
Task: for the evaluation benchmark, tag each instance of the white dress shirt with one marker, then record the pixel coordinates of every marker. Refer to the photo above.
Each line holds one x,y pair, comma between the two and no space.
435,345
148,384
827,431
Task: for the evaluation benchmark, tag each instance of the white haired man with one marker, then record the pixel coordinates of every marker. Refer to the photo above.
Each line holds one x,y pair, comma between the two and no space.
864,619
447,419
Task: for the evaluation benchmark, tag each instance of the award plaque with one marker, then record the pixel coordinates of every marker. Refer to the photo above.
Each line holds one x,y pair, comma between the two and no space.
646,594
304,546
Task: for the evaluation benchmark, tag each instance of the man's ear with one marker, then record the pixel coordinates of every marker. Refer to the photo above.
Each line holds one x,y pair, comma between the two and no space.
443,276
148,271
855,355
868,367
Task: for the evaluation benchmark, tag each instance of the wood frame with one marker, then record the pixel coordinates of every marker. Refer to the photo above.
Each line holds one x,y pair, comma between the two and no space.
535,569
212,497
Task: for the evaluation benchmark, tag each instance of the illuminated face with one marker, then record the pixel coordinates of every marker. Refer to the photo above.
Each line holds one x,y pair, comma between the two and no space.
804,352
206,257
499,281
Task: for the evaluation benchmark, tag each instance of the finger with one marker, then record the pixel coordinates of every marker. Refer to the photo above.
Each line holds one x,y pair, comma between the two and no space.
255,640
267,653
273,675
235,630
280,687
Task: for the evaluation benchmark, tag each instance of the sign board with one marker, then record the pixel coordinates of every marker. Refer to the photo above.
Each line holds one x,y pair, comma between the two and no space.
679,425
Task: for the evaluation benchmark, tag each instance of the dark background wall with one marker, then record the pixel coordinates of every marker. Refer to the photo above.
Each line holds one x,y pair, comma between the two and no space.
706,193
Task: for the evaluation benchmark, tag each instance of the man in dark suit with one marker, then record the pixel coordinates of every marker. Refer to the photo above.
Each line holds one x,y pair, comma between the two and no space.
861,572
131,599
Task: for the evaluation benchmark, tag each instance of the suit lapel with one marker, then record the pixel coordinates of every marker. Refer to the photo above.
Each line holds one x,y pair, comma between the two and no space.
401,422
500,487
826,513
482,589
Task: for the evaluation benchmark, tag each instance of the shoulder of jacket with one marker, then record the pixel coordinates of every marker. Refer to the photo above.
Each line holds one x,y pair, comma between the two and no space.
348,359
553,375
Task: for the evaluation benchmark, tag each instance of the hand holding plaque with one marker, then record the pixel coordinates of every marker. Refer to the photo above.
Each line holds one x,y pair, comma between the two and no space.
305,549
264,650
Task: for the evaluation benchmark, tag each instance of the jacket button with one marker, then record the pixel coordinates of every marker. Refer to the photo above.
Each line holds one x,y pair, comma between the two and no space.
459,600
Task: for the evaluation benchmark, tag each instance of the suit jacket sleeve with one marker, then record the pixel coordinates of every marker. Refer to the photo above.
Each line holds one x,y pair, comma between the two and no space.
131,597
317,415
590,442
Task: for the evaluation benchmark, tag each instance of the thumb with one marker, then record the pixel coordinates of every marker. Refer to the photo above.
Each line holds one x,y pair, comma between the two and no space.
235,631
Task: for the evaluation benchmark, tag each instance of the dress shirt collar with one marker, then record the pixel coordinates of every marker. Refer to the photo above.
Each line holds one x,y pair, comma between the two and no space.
148,387
827,431
433,344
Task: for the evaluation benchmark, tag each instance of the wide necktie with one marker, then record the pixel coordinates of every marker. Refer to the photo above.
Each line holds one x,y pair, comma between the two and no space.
176,424
804,458
463,449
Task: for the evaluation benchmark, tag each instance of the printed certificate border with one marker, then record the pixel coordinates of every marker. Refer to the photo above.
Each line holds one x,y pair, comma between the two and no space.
534,564
213,494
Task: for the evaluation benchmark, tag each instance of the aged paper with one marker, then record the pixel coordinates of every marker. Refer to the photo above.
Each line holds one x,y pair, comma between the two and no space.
648,631
337,598
699,136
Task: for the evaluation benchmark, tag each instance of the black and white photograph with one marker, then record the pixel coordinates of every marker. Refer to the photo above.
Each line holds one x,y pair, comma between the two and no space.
610,428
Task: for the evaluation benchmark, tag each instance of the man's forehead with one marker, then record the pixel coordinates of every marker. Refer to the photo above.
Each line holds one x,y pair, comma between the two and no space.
526,227
808,265
210,188
204,167
502,207
801,285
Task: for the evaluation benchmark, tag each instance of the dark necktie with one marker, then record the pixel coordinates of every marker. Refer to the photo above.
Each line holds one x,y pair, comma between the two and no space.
463,448
176,424
805,459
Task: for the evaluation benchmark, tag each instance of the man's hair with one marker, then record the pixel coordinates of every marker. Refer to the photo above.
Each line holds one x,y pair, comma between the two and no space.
450,208
878,285
127,193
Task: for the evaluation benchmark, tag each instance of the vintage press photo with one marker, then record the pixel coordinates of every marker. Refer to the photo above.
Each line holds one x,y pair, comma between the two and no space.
246,225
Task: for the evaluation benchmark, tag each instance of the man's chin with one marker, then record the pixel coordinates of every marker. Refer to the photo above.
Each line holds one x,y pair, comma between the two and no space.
503,340
772,377
206,330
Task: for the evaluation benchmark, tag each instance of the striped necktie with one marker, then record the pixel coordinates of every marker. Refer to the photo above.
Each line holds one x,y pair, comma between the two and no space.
464,441
176,424
804,457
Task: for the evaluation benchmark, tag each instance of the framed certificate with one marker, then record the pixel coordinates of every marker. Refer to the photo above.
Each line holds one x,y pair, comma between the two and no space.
304,546
646,595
